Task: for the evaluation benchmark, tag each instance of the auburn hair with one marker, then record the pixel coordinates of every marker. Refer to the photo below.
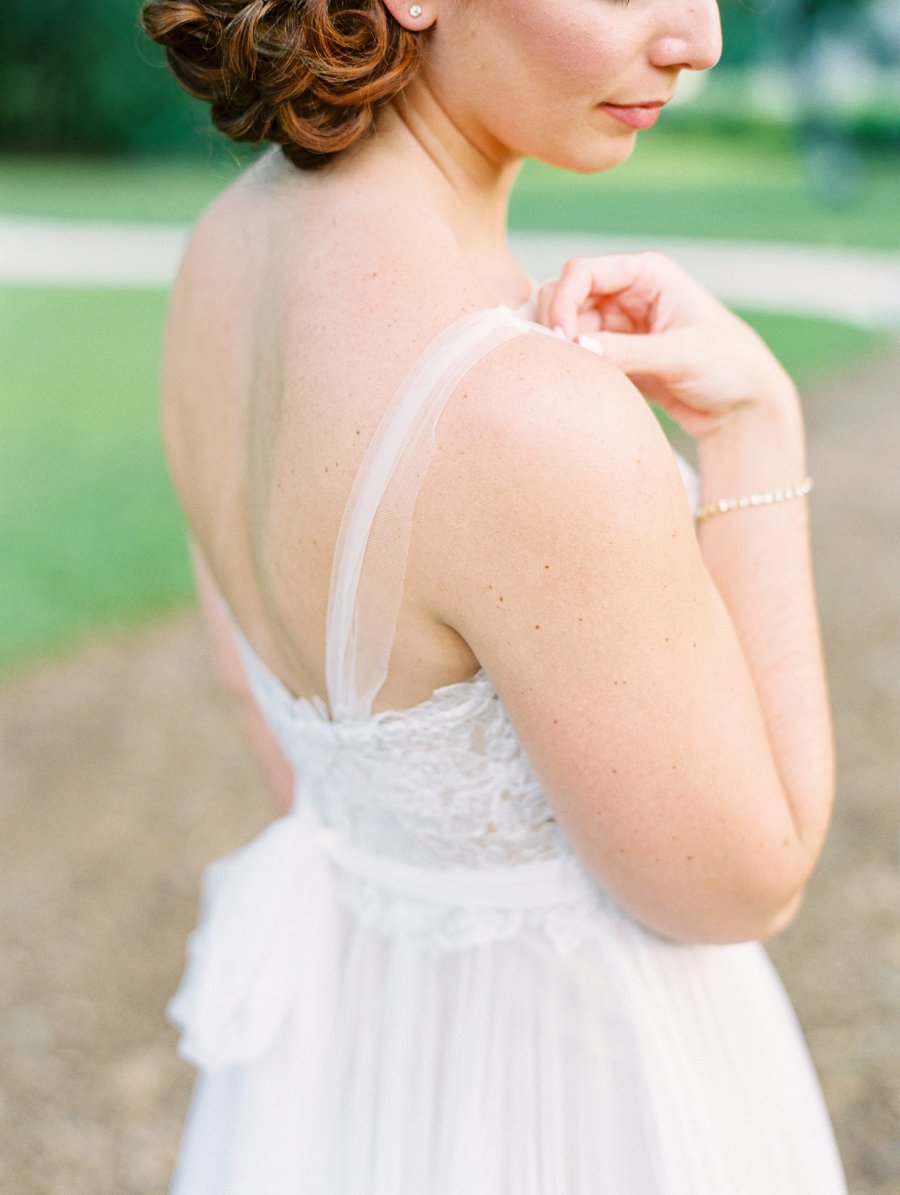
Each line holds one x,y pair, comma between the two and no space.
308,75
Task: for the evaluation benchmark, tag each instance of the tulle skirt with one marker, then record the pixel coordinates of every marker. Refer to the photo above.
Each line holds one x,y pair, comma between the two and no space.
628,1066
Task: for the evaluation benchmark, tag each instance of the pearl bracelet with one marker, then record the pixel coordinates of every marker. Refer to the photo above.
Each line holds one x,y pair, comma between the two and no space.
725,505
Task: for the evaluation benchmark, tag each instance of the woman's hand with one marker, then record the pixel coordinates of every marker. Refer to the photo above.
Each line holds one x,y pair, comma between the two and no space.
679,345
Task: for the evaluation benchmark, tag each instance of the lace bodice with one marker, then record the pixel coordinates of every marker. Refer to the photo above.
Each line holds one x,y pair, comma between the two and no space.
431,806
445,783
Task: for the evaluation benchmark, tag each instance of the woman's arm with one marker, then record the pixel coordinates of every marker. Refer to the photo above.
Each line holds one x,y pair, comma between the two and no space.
668,695
231,672
712,373
759,559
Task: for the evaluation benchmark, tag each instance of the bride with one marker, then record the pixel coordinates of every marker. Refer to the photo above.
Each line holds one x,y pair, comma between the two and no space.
554,750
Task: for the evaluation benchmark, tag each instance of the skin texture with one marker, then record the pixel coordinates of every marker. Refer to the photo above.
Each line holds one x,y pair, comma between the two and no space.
667,688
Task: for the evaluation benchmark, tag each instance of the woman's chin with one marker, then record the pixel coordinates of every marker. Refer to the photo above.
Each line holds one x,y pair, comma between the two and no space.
596,156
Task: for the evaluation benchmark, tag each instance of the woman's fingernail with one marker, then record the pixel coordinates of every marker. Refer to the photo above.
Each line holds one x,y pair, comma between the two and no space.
592,342
559,330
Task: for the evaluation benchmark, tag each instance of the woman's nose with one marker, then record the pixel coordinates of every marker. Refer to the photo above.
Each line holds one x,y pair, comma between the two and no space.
692,37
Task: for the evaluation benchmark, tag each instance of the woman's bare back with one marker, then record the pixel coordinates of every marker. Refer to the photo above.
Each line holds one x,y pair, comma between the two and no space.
289,332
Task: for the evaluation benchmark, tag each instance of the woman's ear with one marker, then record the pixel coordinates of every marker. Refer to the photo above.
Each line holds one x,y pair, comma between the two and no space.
414,15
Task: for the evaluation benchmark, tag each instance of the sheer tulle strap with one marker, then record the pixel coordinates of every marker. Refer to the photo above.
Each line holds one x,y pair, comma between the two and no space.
364,602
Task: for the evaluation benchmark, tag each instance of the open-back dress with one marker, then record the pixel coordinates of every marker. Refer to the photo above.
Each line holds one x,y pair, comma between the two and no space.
410,985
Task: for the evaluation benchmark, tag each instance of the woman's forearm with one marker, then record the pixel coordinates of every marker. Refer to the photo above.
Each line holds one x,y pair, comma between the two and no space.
759,559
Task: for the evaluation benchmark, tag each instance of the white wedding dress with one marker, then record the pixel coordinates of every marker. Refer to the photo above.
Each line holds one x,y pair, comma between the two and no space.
409,985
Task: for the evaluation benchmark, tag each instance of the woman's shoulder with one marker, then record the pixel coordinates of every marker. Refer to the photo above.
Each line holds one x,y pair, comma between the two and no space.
242,205
539,405
543,445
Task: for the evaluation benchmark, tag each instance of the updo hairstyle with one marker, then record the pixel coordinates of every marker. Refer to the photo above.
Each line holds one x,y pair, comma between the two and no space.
308,75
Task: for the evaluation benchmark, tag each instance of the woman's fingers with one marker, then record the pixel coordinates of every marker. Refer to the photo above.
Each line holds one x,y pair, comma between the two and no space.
654,355
665,331
635,279
635,292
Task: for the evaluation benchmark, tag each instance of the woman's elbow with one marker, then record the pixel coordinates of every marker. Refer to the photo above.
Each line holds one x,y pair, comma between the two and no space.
750,922
782,919
721,916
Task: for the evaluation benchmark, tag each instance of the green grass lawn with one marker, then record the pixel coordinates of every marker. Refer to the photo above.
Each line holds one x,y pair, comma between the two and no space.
679,182
89,531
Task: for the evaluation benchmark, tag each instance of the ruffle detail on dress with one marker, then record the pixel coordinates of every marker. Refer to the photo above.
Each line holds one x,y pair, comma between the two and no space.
268,915
264,925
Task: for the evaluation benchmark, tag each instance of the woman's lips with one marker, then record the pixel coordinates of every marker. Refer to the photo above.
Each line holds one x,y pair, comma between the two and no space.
636,116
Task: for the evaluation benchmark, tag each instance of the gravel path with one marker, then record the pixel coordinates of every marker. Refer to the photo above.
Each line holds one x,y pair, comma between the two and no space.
123,775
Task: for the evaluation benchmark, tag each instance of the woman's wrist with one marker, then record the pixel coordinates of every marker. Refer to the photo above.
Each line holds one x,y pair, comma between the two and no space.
760,445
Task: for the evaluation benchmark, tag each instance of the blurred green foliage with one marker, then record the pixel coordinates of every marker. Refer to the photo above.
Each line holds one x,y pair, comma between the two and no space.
83,77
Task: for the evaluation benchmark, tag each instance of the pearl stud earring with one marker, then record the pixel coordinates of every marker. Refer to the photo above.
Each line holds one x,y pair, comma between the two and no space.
415,10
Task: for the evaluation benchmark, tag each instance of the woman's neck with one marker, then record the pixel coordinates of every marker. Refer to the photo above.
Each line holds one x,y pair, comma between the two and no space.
430,164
